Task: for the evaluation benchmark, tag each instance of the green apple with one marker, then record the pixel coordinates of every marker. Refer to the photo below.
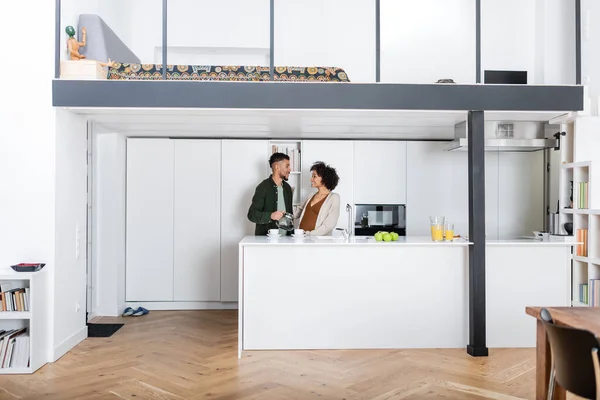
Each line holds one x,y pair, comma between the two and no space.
387,237
395,236
379,236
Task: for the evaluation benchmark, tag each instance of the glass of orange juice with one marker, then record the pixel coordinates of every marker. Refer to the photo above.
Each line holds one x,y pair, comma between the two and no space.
437,228
448,232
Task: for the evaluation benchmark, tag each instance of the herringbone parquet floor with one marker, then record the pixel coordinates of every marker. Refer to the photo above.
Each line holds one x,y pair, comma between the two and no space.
193,355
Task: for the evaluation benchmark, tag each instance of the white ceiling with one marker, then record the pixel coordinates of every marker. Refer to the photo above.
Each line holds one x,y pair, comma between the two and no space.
281,124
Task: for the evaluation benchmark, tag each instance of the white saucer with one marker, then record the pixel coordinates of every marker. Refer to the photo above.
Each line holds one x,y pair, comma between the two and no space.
275,236
298,236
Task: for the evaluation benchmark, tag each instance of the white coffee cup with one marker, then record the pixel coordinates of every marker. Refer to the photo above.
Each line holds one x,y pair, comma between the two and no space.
298,232
273,232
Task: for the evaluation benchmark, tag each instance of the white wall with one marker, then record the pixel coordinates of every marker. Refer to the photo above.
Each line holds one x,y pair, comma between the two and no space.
426,40
590,42
437,184
108,210
203,23
555,42
508,36
331,33
27,140
71,238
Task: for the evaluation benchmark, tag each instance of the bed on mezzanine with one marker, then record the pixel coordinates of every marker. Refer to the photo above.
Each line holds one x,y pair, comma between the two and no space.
103,45
129,83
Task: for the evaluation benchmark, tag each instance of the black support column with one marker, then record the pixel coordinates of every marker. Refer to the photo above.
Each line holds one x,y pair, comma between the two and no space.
165,9
476,160
272,40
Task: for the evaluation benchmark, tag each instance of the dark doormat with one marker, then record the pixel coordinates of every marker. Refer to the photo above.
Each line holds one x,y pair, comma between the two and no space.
102,330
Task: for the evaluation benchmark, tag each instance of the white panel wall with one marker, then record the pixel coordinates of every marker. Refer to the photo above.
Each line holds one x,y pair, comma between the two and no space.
202,23
590,58
555,42
243,168
438,184
521,193
508,36
197,222
71,238
426,40
339,154
149,275
108,210
380,172
27,132
331,33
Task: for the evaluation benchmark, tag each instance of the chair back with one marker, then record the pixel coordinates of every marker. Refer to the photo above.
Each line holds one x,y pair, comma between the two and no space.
571,355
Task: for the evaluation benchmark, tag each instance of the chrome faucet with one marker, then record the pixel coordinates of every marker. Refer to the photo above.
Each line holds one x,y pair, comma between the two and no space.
348,232
350,220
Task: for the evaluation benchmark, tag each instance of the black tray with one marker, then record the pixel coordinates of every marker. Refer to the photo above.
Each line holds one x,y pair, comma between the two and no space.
27,267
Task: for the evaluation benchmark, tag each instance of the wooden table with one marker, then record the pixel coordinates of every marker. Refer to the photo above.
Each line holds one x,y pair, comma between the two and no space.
576,317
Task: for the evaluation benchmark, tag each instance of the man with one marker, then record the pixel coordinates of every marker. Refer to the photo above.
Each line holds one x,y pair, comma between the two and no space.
273,196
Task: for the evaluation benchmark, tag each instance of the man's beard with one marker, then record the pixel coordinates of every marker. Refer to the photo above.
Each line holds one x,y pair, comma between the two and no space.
284,177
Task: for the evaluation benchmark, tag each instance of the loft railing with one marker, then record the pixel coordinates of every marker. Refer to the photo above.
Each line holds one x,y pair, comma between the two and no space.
272,23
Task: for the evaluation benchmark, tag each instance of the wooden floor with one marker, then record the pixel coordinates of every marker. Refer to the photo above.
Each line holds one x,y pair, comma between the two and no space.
193,355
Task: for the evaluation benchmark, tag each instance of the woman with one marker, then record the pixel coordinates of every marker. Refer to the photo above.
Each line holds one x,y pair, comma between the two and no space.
319,213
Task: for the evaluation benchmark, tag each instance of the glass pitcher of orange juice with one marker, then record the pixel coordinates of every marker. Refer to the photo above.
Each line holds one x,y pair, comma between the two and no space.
437,228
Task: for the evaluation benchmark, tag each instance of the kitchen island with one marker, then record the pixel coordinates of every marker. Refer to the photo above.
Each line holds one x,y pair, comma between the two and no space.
357,293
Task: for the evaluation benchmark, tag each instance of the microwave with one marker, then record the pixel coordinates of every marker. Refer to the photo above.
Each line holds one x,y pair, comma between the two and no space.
374,217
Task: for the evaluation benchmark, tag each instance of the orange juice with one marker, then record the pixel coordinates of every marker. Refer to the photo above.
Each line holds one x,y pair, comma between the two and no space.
449,235
437,234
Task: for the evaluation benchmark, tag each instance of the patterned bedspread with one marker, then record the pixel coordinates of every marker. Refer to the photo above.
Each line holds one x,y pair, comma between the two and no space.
123,71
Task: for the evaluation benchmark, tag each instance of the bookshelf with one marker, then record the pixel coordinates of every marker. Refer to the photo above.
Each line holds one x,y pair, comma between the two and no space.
580,200
294,150
31,347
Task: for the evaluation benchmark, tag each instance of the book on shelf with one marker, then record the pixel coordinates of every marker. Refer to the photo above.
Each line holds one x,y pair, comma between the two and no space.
594,292
582,246
14,299
583,196
583,293
14,348
292,152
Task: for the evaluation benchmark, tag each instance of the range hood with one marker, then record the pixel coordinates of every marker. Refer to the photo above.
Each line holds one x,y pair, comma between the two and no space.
508,136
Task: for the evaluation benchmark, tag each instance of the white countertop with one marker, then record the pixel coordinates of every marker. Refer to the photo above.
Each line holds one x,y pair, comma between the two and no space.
340,241
529,242
402,241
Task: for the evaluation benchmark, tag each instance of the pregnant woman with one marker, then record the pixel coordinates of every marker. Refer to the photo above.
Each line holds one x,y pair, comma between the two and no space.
320,212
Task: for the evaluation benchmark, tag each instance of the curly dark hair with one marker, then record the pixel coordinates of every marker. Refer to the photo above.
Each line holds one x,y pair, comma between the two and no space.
328,175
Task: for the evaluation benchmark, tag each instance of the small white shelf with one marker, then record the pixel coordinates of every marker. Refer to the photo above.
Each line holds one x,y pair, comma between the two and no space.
15,371
581,211
583,164
295,172
15,315
579,148
36,320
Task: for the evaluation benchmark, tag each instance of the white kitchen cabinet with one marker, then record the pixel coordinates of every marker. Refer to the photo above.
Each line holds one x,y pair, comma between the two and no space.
379,172
339,154
149,221
197,224
243,168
